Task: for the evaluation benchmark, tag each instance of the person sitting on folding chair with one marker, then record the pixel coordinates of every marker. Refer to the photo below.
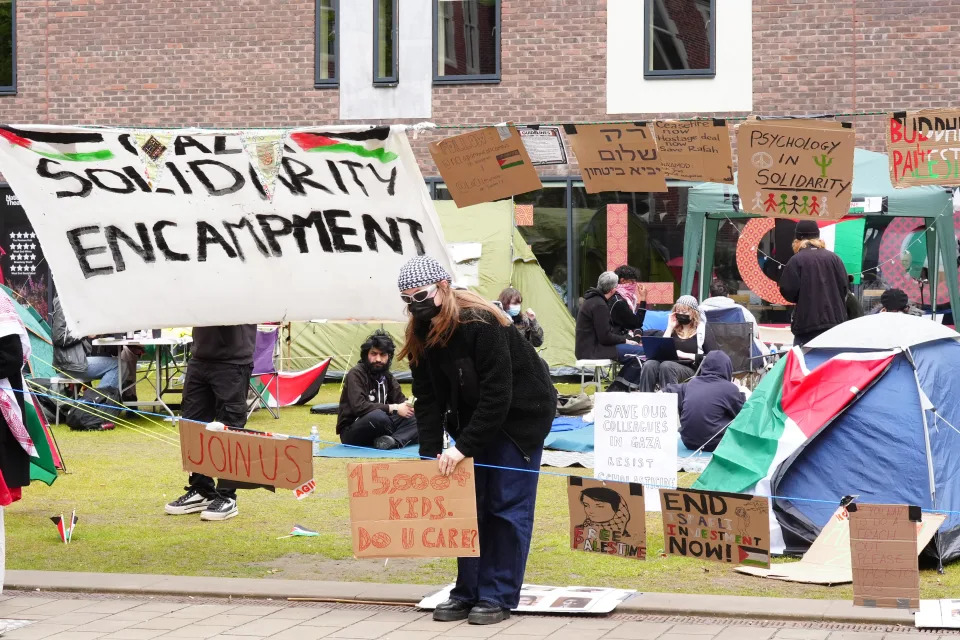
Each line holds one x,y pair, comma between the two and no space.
373,410
708,402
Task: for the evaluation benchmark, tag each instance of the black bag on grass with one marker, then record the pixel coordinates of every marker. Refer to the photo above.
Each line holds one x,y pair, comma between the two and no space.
97,407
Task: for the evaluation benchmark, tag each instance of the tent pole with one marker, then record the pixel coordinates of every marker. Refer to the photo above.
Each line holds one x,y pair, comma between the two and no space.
926,441
933,270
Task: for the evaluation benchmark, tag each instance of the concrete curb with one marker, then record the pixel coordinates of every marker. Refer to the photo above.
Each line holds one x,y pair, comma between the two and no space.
676,604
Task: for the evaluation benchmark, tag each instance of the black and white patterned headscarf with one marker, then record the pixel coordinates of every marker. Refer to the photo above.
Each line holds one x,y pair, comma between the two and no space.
420,272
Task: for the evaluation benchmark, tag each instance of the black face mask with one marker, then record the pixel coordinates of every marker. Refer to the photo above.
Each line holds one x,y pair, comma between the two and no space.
683,318
424,311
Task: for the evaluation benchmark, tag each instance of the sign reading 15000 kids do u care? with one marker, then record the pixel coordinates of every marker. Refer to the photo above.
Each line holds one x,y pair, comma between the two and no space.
225,227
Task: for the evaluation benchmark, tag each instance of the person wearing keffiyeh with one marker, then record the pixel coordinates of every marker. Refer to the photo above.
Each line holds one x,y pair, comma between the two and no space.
605,509
16,446
628,305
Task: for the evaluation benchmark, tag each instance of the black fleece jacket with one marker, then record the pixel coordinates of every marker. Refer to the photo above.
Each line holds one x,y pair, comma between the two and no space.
816,281
595,338
364,392
487,383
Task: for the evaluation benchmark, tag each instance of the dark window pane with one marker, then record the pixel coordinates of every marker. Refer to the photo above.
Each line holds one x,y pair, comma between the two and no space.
467,38
385,19
327,40
6,43
680,34
548,235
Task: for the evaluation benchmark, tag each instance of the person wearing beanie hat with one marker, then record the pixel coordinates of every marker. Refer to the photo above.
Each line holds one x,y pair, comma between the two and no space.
687,327
815,280
479,379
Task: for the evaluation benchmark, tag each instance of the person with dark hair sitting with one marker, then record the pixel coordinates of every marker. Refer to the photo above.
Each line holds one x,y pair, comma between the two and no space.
896,301
628,306
373,410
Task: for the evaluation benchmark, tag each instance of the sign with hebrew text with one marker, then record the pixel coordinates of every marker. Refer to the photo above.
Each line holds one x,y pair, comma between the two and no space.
617,157
202,242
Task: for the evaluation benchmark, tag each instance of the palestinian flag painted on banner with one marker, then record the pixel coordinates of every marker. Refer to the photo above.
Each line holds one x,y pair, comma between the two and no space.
49,144
789,407
44,466
754,557
364,144
510,159
287,389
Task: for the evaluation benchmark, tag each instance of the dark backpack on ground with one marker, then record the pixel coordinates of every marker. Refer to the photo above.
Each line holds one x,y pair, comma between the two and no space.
97,407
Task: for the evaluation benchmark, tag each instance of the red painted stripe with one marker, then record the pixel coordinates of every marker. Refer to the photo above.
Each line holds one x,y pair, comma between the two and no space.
15,139
307,141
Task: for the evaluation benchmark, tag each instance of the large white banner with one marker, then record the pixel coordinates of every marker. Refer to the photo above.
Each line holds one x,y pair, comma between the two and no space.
635,440
191,228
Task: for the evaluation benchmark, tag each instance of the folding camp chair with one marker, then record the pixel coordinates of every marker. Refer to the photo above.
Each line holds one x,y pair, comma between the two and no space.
264,353
736,340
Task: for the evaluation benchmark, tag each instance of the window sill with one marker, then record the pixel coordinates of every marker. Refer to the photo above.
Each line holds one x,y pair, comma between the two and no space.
680,76
8,91
326,85
467,80
386,84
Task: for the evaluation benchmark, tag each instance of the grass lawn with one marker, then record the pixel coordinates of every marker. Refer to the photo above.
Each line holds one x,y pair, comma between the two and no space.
119,481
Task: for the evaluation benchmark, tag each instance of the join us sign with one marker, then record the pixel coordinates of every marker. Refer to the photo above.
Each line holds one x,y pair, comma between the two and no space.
222,227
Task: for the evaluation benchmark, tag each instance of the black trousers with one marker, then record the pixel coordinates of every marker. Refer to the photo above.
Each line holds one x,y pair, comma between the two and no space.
216,391
800,339
371,426
656,374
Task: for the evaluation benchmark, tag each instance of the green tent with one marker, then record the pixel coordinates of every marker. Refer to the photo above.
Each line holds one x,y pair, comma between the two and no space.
41,344
709,204
504,260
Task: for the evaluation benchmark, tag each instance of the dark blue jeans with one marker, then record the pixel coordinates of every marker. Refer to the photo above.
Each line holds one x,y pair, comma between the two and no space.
505,505
631,370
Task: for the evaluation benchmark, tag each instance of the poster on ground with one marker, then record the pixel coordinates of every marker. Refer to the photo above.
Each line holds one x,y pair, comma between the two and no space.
938,614
635,440
720,527
607,517
697,150
203,244
923,147
883,553
539,598
617,157
408,510
796,170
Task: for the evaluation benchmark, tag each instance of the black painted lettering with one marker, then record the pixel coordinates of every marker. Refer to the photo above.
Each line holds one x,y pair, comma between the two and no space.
336,176
390,181
415,230
271,234
220,146
301,224
175,172
353,166
126,141
182,143
255,181
144,249
94,175
138,179
245,223
169,254
299,178
205,180
43,170
337,233
83,253
207,234
372,230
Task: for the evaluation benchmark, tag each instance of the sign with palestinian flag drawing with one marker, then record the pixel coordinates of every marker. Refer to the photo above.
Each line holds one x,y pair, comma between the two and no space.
786,411
202,242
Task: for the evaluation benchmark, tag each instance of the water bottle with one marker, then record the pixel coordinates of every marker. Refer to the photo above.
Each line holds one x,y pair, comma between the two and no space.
315,438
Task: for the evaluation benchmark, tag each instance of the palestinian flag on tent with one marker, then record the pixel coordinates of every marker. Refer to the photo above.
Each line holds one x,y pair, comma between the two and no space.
44,466
64,146
287,389
790,406
363,144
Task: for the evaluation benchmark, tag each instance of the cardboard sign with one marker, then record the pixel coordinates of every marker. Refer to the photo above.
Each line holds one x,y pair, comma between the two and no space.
695,150
883,551
485,165
408,510
247,456
543,144
617,157
346,198
607,517
797,170
658,292
635,440
722,527
924,147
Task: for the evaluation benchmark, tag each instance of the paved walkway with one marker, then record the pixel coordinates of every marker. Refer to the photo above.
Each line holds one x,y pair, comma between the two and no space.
86,616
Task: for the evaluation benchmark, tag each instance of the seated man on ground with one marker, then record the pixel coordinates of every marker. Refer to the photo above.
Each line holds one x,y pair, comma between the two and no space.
597,340
373,409
707,402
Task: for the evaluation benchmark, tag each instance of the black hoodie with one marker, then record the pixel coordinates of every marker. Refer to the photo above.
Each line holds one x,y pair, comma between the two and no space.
707,402
595,338
364,392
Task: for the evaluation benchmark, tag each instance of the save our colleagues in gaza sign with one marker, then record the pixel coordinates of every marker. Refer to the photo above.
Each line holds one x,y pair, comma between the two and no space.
205,228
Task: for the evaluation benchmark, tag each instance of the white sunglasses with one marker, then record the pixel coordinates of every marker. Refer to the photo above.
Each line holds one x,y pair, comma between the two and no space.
419,296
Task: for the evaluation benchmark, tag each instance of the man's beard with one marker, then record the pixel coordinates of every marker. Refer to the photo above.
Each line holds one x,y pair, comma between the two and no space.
377,368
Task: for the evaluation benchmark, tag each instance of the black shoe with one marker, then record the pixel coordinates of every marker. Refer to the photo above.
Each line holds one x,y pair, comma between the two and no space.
452,610
487,613
190,502
220,509
386,442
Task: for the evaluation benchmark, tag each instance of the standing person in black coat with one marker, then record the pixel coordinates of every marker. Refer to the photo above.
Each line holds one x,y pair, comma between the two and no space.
814,279
597,338
476,377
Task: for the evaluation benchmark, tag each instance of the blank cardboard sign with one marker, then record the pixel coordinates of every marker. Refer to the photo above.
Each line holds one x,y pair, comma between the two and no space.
607,517
827,561
883,554
408,510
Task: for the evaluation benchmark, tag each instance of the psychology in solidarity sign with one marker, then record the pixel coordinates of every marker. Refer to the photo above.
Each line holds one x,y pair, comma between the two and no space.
194,228
408,510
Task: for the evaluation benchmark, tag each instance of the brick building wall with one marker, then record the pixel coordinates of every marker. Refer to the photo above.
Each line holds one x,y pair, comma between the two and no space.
241,63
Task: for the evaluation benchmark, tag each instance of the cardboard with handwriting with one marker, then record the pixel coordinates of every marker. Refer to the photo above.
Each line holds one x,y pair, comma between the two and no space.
796,170
695,150
923,147
607,517
827,561
883,554
485,165
247,456
723,527
617,157
408,510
